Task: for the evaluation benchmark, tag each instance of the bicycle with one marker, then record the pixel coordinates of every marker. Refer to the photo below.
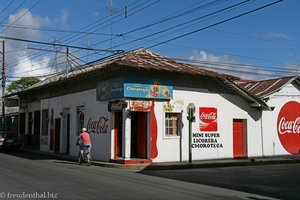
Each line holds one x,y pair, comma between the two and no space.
85,155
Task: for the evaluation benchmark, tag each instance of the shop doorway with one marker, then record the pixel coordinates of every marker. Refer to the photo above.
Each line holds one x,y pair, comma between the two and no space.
30,121
36,129
240,138
57,135
139,131
66,131
118,134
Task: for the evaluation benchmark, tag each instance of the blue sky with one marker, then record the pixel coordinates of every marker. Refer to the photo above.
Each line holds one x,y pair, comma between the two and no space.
261,45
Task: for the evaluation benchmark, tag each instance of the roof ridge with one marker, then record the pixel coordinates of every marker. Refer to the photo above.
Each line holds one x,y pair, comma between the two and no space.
253,81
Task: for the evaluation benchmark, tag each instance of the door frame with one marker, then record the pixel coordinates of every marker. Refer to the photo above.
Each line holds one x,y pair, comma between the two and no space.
142,141
118,134
241,138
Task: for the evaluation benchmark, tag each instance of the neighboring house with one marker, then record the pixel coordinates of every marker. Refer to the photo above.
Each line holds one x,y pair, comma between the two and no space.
281,124
135,107
11,115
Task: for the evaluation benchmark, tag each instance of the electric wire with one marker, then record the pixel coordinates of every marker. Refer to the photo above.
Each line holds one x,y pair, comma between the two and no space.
215,24
244,14
7,7
21,16
136,11
20,5
86,27
187,22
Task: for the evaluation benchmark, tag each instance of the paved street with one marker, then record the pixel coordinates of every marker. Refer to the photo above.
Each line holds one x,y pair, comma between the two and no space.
279,181
23,175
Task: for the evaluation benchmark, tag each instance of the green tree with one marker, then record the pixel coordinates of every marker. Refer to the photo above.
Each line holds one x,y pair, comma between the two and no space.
22,84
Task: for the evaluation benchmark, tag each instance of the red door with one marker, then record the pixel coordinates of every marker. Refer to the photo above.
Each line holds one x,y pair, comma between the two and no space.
138,134
142,135
239,139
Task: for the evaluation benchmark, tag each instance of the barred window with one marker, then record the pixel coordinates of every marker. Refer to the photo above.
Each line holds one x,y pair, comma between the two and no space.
172,124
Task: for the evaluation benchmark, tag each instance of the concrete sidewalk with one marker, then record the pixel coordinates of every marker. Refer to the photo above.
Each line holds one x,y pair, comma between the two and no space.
225,163
179,165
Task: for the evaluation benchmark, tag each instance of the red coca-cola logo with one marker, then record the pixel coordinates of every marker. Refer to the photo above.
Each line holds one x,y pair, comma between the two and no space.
99,126
288,127
208,119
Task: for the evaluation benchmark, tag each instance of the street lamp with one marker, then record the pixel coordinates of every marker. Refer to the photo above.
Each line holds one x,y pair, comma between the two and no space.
191,118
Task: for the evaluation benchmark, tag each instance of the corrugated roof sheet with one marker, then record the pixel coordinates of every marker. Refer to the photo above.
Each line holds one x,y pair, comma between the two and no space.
142,58
265,88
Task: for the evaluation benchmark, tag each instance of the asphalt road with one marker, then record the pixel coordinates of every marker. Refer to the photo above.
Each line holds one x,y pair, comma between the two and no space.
280,181
25,176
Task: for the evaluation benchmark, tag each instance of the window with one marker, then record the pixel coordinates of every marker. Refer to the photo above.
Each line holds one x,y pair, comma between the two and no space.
172,124
80,118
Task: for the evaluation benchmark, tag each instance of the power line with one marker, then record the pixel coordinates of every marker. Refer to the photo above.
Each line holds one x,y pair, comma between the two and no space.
187,22
22,15
241,66
7,7
249,11
219,52
215,24
180,13
20,5
89,27
209,4
145,6
256,38
108,21
61,45
57,30
164,19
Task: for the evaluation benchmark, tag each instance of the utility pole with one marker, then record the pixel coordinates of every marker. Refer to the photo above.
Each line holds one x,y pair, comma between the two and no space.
67,58
111,10
3,86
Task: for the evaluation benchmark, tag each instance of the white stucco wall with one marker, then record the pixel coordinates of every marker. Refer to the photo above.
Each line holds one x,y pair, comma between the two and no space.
271,142
169,148
93,110
229,107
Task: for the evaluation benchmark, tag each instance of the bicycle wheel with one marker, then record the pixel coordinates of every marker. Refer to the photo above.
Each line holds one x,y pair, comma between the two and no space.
80,158
88,159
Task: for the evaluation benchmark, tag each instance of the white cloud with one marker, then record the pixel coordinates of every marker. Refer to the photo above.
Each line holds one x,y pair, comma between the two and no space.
28,67
63,19
96,14
26,19
227,65
274,35
19,61
292,69
204,56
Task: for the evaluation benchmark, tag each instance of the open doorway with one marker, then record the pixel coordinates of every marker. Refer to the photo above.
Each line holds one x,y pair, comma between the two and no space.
118,134
57,135
66,131
139,131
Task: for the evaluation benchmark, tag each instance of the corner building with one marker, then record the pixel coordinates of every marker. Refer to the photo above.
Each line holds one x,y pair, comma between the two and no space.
135,106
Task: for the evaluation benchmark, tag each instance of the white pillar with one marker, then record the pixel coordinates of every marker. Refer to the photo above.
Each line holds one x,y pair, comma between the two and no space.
126,134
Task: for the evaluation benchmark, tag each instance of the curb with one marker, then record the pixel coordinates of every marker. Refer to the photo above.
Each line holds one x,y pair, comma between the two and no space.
178,165
222,163
74,159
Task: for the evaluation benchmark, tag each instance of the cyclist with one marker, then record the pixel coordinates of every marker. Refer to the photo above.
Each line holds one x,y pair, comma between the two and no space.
85,139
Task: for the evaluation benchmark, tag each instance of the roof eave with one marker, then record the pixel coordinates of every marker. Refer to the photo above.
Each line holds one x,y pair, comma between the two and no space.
256,102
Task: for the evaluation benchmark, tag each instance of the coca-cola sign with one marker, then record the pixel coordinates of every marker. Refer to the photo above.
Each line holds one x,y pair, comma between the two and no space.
288,127
208,119
116,106
99,126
